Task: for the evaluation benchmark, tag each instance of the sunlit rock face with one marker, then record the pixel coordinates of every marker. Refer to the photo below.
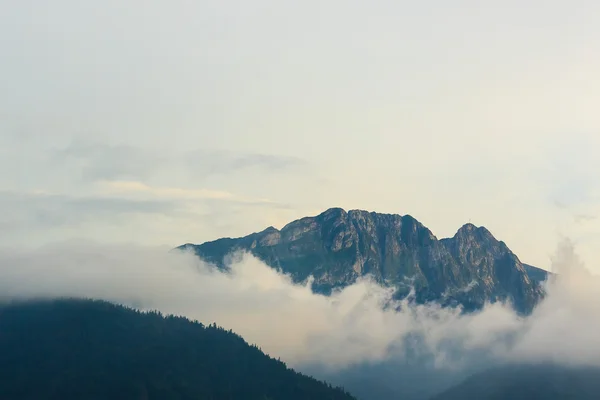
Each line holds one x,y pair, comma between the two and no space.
337,247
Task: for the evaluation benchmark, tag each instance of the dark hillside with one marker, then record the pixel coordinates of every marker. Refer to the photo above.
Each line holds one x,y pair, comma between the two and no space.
84,349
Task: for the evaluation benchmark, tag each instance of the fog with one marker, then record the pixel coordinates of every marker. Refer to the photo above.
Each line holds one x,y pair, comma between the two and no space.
342,333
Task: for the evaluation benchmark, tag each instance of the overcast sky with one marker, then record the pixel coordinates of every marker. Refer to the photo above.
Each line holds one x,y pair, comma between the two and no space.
183,121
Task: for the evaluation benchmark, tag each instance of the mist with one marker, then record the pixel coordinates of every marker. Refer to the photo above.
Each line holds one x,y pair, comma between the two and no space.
337,336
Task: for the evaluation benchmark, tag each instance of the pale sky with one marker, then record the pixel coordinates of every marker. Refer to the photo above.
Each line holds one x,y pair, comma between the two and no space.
160,122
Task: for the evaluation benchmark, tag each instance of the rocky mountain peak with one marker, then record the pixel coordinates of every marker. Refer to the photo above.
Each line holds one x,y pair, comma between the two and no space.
337,247
471,232
333,213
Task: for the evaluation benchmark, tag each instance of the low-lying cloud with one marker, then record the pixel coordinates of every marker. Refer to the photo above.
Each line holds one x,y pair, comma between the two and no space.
287,320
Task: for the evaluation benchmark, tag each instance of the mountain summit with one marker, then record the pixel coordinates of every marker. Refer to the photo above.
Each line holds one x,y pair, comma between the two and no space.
337,247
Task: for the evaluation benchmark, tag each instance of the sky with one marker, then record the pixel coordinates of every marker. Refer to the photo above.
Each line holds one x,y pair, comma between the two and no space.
162,123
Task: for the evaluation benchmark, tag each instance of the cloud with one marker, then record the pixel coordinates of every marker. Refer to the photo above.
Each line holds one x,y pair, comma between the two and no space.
50,210
99,161
128,187
288,320
229,162
583,218
267,308
36,217
124,188
117,211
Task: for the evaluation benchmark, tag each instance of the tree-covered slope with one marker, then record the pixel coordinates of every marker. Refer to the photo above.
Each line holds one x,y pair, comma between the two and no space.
83,349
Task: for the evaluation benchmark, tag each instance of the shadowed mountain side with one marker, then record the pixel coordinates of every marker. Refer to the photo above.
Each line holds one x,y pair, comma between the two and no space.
337,247
403,379
536,274
525,382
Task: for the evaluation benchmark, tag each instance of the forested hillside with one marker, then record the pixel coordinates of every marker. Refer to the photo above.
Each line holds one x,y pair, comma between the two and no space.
83,349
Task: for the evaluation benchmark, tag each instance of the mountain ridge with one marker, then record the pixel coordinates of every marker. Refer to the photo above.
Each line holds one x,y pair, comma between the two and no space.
522,382
337,247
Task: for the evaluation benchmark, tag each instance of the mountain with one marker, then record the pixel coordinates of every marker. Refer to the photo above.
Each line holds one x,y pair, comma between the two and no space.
337,247
83,349
524,382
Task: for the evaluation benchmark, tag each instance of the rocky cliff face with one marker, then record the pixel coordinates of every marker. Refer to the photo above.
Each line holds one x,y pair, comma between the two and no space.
337,247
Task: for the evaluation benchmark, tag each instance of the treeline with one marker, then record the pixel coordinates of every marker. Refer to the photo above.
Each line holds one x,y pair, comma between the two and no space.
87,349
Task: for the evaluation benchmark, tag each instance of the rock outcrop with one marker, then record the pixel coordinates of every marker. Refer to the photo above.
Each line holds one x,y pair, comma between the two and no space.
337,247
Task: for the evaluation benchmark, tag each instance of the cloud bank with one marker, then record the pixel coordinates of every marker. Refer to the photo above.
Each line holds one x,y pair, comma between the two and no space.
287,320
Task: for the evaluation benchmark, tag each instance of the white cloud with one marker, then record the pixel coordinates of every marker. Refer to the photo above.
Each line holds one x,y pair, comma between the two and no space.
136,187
304,328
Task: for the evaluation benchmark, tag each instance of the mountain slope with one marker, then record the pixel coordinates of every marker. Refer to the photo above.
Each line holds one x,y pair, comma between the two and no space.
536,274
337,247
83,349
548,382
